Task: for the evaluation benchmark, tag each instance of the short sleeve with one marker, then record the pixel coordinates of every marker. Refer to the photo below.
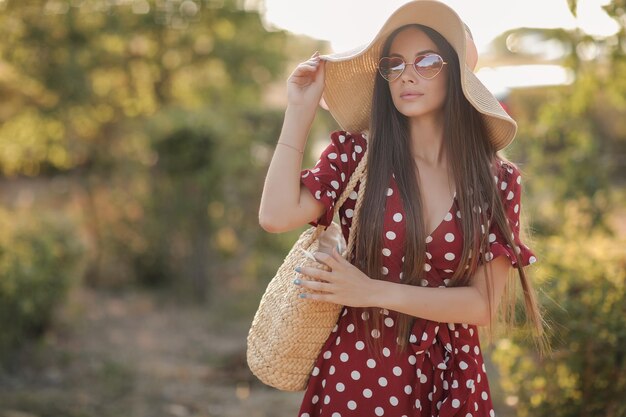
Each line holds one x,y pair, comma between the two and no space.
327,180
509,184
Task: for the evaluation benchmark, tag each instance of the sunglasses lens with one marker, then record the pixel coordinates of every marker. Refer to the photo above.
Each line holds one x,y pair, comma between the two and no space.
428,66
391,68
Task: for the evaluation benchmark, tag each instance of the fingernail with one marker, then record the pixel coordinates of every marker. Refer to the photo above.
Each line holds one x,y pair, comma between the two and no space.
297,281
298,269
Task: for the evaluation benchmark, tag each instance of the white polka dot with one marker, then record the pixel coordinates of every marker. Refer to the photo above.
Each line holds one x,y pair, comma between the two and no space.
516,208
423,379
375,333
386,352
384,270
469,383
331,370
397,217
491,412
488,256
429,239
492,237
356,375
305,415
316,371
382,381
418,404
338,341
318,194
342,138
335,184
336,414
350,328
371,363
412,360
468,415
397,371
456,403
458,214
484,396
379,411
358,149
327,354
510,195
389,192
386,252
408,389
424,283
465,348
449,237
349,213
503,185
323,383
428,255
389,322
327,399
367,393
344,357
353,195
427,267
344,157
476,350
463,365
315,399
449,256
412,339
332,155
448,217
340,387
390,235
352,405
532,259
359,345
393,401
365,315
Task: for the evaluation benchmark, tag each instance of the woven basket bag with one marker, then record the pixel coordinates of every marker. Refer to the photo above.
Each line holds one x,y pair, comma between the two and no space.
287,333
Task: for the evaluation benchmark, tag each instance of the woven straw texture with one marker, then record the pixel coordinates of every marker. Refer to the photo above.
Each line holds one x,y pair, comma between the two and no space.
288,333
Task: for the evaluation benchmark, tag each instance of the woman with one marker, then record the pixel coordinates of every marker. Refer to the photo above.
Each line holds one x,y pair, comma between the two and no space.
438,231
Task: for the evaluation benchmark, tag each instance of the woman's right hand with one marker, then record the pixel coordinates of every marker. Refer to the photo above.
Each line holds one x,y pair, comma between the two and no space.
305,85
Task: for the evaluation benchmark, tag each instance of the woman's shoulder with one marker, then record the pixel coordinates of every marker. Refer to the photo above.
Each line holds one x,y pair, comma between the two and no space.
343,138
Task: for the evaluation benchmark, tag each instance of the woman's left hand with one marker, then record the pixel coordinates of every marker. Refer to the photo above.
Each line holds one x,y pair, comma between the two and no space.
344,284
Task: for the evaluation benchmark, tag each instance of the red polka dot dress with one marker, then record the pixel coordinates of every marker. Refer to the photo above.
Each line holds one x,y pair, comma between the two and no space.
442,372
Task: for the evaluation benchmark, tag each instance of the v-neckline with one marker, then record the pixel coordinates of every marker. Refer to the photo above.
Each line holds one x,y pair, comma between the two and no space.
444,218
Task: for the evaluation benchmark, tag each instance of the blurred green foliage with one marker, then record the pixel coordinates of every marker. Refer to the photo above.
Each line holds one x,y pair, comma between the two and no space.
39,259
572,145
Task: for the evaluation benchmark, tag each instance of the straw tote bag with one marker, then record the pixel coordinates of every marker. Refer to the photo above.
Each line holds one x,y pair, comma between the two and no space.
288,333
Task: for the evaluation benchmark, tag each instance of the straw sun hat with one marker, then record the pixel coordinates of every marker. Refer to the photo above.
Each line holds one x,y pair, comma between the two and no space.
350,75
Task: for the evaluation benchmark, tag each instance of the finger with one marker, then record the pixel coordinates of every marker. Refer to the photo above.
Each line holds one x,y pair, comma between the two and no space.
317,297
325,259
315,273
313,285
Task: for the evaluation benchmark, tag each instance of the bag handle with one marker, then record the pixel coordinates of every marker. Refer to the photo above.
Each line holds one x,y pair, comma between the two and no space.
359,174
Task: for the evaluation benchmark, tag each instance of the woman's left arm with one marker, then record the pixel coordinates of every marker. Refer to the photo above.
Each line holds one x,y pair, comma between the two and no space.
347,285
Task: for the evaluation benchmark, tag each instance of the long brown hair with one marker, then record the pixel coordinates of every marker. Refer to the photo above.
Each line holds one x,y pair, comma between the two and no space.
473,161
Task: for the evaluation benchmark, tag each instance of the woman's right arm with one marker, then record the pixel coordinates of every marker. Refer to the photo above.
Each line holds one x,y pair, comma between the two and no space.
285,204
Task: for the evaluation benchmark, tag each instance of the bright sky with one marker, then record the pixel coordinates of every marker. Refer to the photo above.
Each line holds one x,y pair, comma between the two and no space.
351,23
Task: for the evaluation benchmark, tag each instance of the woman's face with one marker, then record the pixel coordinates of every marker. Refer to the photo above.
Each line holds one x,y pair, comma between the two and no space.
413,95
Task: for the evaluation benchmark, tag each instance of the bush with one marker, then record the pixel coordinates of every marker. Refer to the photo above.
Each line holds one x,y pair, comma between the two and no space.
38,261
585,299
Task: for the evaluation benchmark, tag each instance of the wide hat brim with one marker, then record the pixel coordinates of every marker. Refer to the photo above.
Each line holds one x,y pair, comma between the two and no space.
350,76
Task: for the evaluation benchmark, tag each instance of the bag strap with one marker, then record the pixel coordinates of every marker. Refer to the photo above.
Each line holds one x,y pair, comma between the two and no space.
359,174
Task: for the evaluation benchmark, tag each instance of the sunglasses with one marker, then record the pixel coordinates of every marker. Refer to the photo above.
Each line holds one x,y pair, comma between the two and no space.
427,66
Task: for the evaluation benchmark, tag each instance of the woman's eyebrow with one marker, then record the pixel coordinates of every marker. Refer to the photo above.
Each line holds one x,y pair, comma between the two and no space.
419,53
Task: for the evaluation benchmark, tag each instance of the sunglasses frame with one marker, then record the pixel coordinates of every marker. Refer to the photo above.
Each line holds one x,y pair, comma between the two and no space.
413,64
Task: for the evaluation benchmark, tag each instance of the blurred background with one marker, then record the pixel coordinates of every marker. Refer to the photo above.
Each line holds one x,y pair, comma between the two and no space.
134,140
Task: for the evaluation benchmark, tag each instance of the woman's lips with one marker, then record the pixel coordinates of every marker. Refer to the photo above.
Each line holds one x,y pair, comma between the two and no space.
409,96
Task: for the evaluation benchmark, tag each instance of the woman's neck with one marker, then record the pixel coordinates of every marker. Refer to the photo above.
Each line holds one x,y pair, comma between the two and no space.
427,140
